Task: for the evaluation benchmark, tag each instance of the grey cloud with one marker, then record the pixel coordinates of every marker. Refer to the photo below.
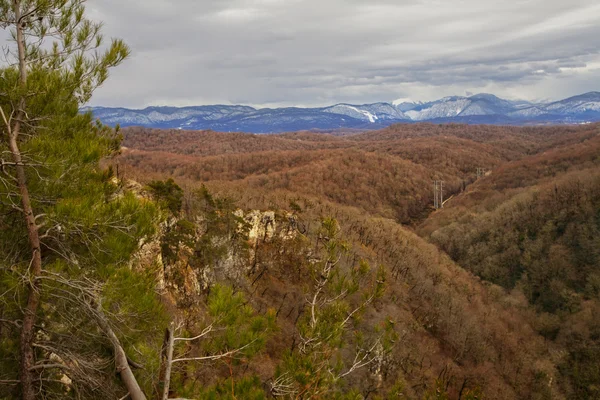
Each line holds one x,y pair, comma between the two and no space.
309,52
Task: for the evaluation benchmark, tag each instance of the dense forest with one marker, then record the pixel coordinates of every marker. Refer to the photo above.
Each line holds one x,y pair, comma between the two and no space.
179,264
509,312
387,173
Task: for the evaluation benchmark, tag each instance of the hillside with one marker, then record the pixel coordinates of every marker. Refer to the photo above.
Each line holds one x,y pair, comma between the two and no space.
532,227
474,315
387,172
444,333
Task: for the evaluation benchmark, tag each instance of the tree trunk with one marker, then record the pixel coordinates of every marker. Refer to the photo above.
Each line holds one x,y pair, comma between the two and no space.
168,360
35,269
35,266
121,364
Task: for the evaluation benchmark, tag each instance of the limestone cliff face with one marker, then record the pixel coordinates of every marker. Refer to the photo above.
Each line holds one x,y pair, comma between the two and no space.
186,273
265,225
262,225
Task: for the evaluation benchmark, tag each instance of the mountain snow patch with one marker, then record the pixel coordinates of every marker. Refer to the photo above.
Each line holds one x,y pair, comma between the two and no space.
372,117
357,113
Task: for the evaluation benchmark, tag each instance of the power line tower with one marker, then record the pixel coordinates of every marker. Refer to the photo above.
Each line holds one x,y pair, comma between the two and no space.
480,172
438,194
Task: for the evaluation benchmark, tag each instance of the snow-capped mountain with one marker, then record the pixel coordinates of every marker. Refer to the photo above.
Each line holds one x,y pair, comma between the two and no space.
169,116
582,108
372,112
582,104
480,108
457,106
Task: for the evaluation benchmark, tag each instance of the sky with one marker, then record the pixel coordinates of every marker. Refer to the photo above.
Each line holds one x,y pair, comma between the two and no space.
273,53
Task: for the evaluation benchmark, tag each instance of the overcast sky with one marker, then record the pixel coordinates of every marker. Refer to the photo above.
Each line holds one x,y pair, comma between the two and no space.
318,52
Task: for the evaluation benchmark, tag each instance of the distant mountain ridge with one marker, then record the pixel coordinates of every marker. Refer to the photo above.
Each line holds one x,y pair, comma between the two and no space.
481,108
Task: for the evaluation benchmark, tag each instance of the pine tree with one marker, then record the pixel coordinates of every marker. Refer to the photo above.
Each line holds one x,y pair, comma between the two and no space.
334,304
66,230
232,334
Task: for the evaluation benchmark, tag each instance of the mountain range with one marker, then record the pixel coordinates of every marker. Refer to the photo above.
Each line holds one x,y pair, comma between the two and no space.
477,109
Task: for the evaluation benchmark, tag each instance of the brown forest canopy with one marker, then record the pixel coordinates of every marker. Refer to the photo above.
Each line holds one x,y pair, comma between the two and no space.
387,172
511,310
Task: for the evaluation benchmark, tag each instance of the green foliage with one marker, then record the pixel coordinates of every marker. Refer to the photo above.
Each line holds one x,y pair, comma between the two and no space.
60,38
438,392
218,214
168,194
245,388
545,243
541,386
235,334
295,207
238,324
10,302
69,191
548,325
335,303
397,389
592,286
546,240
86,235
223,231
473,394
181,234
88,227
130,296
351,395
580,367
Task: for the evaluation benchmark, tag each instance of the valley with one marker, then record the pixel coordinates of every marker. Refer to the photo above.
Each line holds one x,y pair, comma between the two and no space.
493,296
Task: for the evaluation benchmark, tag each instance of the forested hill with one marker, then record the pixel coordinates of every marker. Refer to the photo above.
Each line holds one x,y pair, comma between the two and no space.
500,303
387,172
